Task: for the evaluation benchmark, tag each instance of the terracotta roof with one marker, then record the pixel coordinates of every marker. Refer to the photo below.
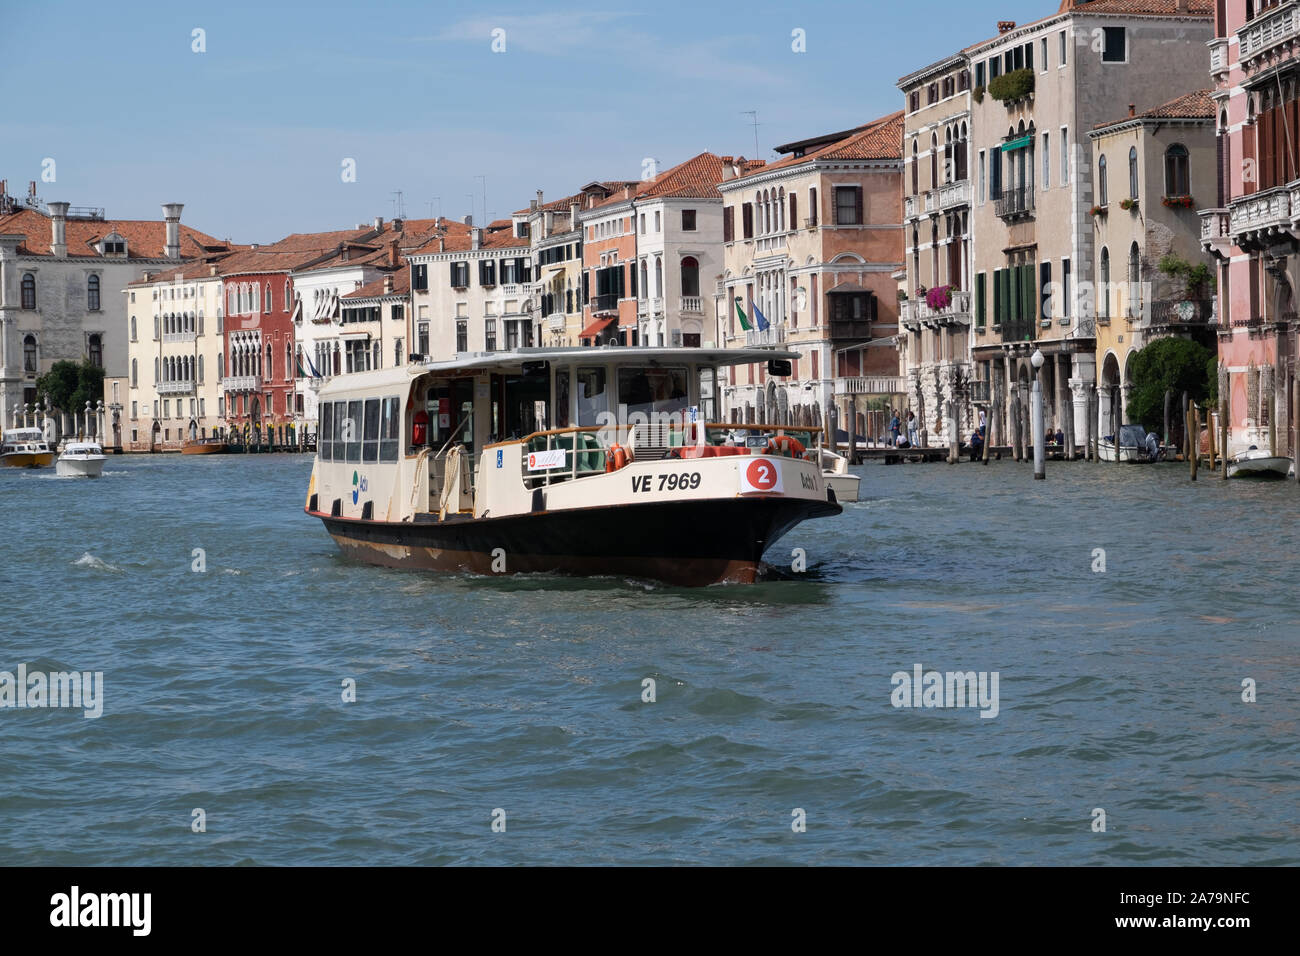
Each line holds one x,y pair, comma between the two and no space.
554,204
879,139
1194,105
374,290
145,238
198,269
696,178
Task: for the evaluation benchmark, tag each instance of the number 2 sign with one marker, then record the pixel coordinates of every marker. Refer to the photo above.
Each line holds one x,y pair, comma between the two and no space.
762,475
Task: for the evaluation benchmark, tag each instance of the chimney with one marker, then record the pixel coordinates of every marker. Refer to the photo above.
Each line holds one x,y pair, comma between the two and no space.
1132,109
212,270
548,222
377,224
388,284
397,225
627,191
172,213
468,220
476,237
392,253
573,214
442,244
1006,26
59,229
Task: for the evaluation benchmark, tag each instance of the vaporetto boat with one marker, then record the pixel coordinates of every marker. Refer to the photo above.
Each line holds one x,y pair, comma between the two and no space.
592,461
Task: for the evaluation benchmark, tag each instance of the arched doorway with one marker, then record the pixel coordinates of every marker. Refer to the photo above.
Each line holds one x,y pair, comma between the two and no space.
153,437
1108,395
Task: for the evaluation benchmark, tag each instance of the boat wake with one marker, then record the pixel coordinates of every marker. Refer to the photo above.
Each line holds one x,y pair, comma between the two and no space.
88,560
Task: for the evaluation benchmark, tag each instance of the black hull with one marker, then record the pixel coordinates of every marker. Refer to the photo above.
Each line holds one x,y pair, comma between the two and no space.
688,543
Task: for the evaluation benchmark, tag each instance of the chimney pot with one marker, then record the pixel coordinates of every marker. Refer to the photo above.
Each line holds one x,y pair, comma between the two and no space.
468,220
172,215
476,238
59,229
1132,109
388,284
1006,26
378,224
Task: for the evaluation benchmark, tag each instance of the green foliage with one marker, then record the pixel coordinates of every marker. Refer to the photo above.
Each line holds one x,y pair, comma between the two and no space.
1198,280
978,93
1012,86
68,386
1179,365
1212,374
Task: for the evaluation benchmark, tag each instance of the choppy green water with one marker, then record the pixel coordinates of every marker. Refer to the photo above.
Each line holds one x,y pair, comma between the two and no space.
222,690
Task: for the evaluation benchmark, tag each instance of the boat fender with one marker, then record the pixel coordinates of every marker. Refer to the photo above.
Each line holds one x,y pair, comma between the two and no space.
615,458
420,428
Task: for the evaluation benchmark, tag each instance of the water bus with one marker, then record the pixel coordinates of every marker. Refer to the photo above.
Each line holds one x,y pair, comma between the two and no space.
592,461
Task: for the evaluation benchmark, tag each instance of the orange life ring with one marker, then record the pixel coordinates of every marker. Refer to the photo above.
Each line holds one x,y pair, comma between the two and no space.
785,445
616,457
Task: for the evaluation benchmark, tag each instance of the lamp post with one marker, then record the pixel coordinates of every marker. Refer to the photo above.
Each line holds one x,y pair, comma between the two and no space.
1036,418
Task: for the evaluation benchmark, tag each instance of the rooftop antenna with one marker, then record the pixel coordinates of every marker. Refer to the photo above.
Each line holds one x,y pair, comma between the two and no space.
754,117
399,207
483,180
470,197
438,200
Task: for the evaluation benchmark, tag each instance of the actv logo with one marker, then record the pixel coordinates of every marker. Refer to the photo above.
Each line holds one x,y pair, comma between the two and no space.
75,909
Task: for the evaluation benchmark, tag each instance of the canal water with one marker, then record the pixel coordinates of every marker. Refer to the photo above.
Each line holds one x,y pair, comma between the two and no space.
1120,683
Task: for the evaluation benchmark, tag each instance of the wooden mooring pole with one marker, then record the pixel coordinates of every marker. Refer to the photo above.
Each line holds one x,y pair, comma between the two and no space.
1223,436
1194,436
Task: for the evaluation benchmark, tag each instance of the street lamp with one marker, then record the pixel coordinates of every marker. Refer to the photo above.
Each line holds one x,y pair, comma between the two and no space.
1036,418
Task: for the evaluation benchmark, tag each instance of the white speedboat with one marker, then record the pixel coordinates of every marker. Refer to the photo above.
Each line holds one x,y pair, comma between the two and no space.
81,459
1132,445
1257,463
25,448
835,472
588,461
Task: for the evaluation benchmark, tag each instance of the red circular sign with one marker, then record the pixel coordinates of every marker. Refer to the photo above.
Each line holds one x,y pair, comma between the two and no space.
761,474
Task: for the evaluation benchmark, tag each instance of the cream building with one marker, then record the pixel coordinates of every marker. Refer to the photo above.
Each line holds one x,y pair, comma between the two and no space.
556,247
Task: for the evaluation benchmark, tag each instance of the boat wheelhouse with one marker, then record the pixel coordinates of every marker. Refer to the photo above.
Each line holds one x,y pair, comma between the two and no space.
593,461
25,448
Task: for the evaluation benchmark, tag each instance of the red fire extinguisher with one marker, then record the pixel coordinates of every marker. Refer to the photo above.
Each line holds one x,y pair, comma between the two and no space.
420,428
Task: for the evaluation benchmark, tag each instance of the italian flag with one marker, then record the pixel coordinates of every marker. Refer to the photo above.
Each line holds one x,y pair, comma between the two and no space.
744,320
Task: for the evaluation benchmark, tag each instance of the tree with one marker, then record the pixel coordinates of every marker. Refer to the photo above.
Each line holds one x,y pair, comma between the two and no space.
68,386
1174,364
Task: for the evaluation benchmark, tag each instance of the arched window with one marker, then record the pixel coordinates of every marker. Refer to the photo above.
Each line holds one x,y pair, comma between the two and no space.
29,353
95,345
794,210
286,295
135,372
934,161
1132,172
156,322
156,372
1134,280
1102,198
288,361
29,291
659,276
1177,174
644,287
230,301
270,363
221,365
266,298
200,369
1103,293
690,276
916,169
133,328
948,158
92,293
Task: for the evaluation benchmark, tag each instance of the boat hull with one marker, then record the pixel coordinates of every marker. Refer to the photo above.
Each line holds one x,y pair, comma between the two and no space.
692,543
1264,468
79,467
28,459
1128,454
203,448
844,486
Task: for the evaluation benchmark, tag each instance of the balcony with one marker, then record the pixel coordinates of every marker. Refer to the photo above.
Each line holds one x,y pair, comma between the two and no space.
773,335
1259,215
770,243
241,383
910,207
1218,55
555,322
948,196
1015,204
913,312
605,304
871,385
1272,33
1215,237
1178,312
511,289
657,306
178,336
175,388
692,304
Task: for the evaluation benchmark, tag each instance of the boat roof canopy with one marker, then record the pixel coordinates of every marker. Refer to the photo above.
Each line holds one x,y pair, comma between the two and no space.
512,360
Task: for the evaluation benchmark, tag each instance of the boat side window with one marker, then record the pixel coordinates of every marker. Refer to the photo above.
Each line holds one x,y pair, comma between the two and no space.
352,431
326,431
370,438
340,413
388,430
562,398
592,397
653,391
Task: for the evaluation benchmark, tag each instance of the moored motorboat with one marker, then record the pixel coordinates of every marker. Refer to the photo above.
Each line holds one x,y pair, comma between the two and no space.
1255,462
80,459
203,446
838,478
1133,446
25,448
590,461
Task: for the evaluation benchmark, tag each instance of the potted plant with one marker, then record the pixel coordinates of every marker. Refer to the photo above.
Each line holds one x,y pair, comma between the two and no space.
1180,202
1097,211
1127,204
939,298
1011,88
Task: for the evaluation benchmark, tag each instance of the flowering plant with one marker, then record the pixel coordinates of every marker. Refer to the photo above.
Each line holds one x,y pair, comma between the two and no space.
1180,202
1128,204
1097,211
940,297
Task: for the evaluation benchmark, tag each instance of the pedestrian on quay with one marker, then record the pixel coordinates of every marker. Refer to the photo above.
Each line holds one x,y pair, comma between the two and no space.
911,428
894,427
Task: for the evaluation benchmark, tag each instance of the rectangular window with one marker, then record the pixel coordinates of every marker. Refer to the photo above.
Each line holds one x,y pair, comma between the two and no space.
487,272
983,174
688,220
1065,155
747,220
490,334
389,429
1045,305
728,224
370,438
1063,48
995,173
813,213
352,430
848,205
981,305
325,431
1047,161
657,224
1042,55
979,74
1114,49
423,343
1067,306
462,336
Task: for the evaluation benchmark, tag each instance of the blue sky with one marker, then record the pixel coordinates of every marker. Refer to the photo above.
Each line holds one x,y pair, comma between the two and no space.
252,134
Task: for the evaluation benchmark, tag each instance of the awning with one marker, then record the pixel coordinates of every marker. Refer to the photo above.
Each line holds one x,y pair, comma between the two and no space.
596,328
354,335
1019,143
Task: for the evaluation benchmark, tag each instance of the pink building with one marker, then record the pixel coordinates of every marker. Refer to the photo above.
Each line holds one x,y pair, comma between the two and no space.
1253,228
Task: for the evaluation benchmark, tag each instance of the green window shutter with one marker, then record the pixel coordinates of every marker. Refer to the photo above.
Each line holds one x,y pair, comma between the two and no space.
979,301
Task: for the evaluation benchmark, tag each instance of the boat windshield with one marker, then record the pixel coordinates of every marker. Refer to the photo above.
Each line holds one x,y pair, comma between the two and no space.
653,391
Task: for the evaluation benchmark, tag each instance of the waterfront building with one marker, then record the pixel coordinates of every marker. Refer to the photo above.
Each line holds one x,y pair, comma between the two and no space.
470,290
811,241
935,303
1158,161
1252,226
62,272
1040,188
556,247
609,275
174,348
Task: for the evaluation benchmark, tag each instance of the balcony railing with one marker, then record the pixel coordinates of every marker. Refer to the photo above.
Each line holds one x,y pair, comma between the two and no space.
604,303
771,243
910,207
1015,203
1218,54
1180,312
871,385
693,303
773,335
917,310
178,336
948,196
1259,212
241,383
1268,31
175,388
555,322
657,306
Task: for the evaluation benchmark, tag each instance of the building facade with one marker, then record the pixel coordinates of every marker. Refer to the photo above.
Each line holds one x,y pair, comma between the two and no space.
556,247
